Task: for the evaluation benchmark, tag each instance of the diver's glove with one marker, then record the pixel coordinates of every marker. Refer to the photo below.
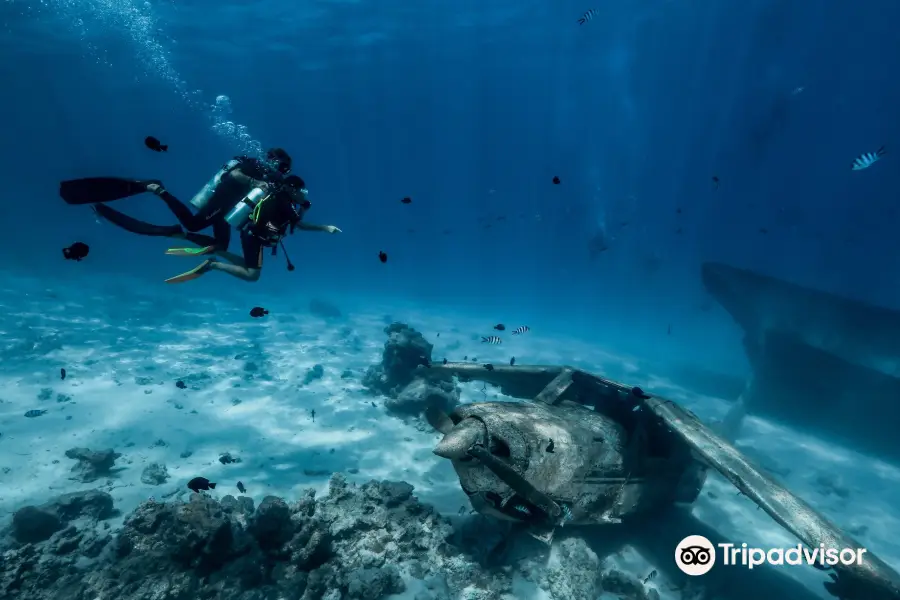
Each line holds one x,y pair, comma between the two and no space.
330,229
156,188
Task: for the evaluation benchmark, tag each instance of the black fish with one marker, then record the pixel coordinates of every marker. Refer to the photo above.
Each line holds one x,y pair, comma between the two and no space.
587,16
241,488
445,361
200,483
374,405
312,413
556,180
474,359
521,330
406,200
180,384
154,144
382,256
465,358
76,251
512,361
62,374
550,446
258,311
34,413
489,367
491,339
500,327
715,182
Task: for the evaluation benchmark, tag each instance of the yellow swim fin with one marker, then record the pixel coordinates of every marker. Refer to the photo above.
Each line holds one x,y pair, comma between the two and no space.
192,274
191,251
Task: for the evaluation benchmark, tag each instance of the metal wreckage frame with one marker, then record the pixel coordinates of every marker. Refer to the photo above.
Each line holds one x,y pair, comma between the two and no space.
560,390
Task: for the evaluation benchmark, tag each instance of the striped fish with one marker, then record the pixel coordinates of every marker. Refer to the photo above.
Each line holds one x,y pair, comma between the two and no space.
587,16
867,159
34,413
521,330
491,339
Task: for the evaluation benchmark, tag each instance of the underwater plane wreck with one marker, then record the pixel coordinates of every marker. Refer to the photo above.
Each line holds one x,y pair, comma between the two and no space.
585,450
821,362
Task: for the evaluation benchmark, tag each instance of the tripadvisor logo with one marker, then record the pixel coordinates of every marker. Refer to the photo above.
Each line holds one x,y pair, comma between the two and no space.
696,555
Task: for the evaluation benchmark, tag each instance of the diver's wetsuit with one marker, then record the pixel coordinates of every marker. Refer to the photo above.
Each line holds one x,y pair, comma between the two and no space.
234,185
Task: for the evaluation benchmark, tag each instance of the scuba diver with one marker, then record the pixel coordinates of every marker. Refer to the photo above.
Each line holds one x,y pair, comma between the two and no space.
258,198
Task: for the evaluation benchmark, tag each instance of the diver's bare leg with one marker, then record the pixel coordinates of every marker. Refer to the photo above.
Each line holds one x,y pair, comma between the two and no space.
252,254
231,257
240,272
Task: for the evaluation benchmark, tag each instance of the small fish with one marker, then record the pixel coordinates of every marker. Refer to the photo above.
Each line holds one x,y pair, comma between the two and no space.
587,16
489,367
180,384
241,488
549,447
76,251
465,358
491,339
62,374
500,327
639,393
382,256
867,159
797,90
556,180
374,405
200,483
155,145
512,361
258,311
649,576
406,200
521,330
715,181
474,359
34,413
312,414
445,361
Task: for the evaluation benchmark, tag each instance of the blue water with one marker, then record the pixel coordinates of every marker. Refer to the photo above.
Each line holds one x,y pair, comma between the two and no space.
471,109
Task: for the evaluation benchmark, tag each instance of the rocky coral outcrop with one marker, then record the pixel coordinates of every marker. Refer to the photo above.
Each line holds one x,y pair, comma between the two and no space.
403,375
155,474
92,464
358,542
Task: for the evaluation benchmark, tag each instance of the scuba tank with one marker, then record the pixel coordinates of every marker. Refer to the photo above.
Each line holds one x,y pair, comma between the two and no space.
203,196
240,215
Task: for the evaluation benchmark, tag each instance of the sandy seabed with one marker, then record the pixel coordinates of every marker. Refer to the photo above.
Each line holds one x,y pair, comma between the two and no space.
249,391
